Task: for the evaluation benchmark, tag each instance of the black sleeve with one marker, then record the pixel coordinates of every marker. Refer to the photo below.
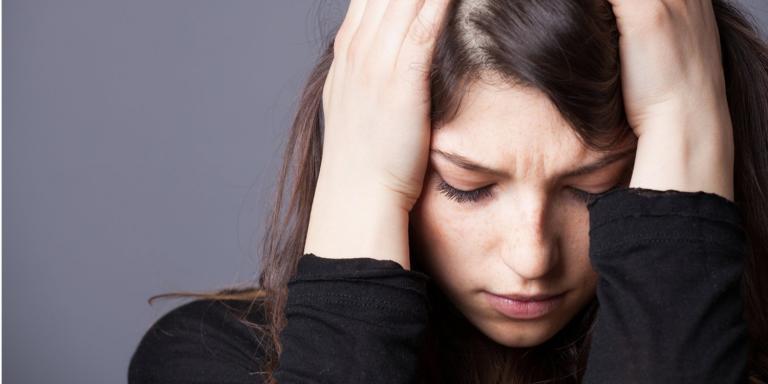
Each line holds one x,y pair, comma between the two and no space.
200,342
353,321
670,266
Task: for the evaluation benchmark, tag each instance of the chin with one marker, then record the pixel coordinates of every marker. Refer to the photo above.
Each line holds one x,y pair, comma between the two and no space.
516,334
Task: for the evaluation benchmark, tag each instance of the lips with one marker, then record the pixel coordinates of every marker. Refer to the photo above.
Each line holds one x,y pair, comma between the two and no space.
524,307
537,297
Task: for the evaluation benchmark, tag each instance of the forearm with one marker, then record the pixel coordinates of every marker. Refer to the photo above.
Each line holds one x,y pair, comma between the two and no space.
353,321
670,266
689,149
351,222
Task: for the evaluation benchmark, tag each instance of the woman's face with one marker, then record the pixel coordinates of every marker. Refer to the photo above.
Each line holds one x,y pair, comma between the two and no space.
528,232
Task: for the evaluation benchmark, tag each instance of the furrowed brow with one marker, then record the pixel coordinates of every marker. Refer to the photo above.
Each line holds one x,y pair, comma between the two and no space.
600,163
471,165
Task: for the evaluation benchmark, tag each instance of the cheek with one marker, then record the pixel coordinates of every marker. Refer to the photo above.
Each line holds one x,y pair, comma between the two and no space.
448,236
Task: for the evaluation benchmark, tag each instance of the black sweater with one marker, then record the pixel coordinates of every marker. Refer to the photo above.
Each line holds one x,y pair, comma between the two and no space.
670,266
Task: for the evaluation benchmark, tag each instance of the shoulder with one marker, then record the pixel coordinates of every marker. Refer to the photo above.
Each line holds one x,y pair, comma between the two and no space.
203,341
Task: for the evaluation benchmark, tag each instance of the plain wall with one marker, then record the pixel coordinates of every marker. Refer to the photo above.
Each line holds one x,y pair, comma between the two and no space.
141,143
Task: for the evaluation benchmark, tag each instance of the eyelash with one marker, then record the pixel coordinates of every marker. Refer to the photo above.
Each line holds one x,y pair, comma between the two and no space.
461,196
473,196
586,197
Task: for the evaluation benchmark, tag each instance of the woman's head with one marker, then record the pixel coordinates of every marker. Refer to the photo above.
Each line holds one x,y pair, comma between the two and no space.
530,89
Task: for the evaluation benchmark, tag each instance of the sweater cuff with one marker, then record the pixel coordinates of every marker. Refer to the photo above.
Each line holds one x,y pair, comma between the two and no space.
375,284
687,216
358,320
312,265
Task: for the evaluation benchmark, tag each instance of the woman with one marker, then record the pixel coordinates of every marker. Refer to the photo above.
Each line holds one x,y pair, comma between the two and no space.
496,203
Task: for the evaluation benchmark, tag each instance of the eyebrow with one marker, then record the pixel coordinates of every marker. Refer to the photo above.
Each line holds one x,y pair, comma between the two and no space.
470,165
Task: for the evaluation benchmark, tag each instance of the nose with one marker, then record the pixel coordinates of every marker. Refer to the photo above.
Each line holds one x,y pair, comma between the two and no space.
530,248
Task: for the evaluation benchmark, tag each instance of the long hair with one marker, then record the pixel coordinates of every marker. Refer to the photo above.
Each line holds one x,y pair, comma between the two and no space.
567,49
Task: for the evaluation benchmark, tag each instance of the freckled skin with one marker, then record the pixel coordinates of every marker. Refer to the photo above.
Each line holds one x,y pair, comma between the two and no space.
532,234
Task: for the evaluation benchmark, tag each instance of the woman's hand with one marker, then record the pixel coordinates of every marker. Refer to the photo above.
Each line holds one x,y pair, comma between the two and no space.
376,106
674,95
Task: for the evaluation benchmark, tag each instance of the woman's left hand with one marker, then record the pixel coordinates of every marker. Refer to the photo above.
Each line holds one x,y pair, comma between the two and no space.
674,95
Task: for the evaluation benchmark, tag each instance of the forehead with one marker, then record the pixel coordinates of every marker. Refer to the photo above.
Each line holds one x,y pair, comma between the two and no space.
494,120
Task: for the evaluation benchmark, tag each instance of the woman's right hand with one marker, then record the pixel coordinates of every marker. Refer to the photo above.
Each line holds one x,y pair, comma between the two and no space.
376,105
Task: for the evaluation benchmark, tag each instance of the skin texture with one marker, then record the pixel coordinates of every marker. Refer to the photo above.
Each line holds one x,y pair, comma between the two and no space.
531,235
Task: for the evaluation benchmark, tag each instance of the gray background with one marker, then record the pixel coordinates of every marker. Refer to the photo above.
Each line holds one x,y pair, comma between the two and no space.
141,144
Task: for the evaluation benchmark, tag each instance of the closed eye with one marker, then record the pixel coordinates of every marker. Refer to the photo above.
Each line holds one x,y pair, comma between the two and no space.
476,195
462,196
585,196
479,194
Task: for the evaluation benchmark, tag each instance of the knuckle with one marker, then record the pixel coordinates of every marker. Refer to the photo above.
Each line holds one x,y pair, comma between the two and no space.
365,66
340,41
421,32
355,54
369,73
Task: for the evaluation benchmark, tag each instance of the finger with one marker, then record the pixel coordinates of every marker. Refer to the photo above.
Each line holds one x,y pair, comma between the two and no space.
394,26
641,16
341,44
348,27
417,48
363,38
624,7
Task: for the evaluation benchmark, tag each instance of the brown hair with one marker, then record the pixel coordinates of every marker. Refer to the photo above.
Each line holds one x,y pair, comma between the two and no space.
568,49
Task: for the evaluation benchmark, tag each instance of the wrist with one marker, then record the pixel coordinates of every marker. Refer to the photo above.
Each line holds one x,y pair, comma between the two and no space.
350,221
686,155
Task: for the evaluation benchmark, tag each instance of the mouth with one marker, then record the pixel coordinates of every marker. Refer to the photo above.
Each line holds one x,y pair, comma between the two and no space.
524,307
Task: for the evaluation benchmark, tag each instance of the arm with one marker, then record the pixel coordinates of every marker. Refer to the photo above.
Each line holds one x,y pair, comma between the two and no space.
201,342
356,320
670,266
670,250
